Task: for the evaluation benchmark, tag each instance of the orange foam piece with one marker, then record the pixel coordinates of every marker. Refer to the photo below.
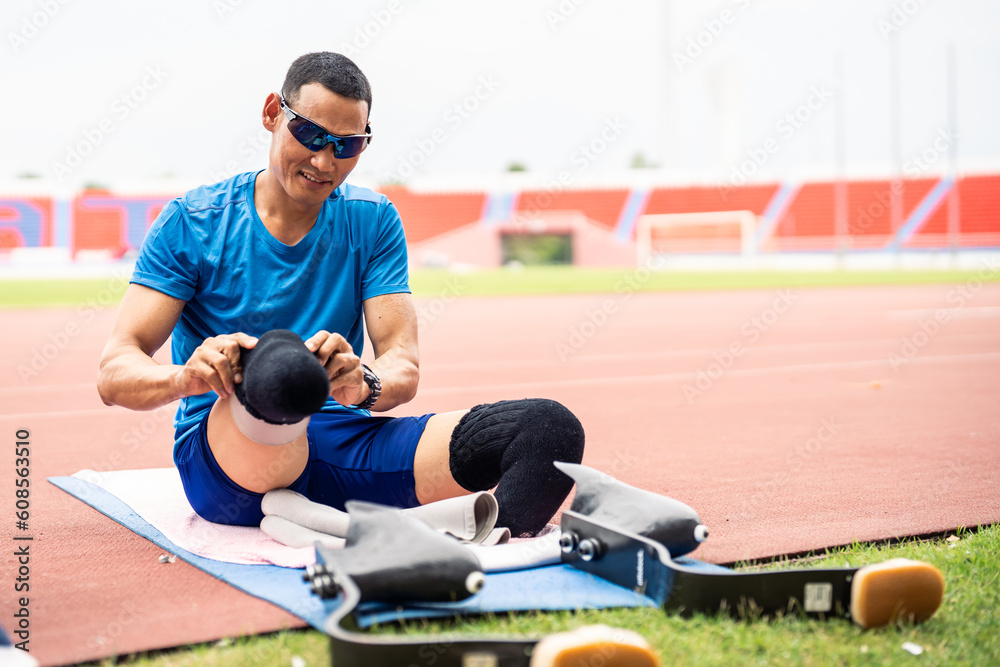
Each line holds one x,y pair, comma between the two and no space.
896,590
594,644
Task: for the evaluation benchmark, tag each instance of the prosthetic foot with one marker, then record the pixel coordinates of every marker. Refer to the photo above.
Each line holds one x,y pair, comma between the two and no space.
603,498
393,557
898,590
283,384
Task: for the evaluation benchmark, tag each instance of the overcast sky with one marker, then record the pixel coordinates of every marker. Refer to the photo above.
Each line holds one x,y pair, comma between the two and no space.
116,91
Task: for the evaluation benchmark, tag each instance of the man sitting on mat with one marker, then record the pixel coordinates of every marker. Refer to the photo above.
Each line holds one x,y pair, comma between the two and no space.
241,272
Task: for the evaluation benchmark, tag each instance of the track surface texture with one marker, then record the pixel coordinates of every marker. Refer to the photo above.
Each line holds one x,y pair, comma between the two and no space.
792,420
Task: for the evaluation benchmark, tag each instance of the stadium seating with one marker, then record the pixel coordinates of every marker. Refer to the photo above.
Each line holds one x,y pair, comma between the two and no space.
922,213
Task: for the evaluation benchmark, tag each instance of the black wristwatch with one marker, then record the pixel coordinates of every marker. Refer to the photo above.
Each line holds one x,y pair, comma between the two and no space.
374,386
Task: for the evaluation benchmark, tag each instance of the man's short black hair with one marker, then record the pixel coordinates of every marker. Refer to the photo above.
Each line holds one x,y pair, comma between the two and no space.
335,72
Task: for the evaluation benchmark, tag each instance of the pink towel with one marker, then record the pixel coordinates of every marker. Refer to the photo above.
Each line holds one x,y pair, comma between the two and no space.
158,497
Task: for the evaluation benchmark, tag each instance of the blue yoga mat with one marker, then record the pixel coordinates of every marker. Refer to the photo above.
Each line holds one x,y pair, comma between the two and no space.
552,587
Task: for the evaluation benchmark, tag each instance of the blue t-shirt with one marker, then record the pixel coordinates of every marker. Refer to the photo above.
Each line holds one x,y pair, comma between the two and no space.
210,249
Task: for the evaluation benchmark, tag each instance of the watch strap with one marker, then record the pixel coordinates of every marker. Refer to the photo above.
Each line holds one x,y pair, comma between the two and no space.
374,388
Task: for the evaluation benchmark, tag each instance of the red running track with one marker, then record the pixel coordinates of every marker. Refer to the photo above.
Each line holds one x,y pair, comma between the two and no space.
791,420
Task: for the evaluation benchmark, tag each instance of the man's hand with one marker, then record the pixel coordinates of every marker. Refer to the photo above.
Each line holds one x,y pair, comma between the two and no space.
215,366
347,382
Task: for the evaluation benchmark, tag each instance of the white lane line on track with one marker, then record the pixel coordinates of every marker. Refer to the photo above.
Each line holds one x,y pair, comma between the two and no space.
690,375
578,359
46,388
962,313
67,413
700,353
630,379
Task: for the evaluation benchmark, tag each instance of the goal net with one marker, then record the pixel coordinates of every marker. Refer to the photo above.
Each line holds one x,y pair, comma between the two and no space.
714,232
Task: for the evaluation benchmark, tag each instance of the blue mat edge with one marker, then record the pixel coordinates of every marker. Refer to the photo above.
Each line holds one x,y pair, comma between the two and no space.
284,587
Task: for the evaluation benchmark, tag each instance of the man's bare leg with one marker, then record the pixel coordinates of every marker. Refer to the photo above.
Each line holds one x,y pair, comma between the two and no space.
254,466
431,468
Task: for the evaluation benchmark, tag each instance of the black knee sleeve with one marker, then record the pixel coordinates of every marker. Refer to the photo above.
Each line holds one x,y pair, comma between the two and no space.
283,382
511,445
480,440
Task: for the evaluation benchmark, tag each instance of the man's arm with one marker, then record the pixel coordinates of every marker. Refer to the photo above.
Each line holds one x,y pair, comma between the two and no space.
129,376
391,320
392,327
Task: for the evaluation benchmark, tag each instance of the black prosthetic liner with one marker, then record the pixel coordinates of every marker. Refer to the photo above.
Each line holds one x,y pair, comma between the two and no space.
283,384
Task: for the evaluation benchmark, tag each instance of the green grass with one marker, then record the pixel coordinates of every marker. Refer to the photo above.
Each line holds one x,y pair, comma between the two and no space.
564,280
40,293
963,632
529,280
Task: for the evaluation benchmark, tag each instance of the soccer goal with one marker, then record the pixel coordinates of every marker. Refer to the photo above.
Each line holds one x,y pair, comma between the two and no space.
713,232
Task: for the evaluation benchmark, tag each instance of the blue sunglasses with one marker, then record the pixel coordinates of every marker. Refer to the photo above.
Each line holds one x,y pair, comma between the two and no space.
311,134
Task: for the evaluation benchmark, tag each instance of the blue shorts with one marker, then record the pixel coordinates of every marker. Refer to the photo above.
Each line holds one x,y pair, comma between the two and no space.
351,457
